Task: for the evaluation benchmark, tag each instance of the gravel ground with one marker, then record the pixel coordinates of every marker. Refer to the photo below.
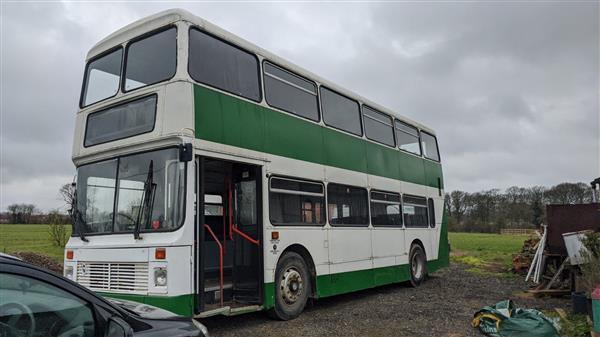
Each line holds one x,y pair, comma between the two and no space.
443,306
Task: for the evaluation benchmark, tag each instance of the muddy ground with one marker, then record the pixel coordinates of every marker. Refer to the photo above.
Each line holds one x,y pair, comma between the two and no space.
443,307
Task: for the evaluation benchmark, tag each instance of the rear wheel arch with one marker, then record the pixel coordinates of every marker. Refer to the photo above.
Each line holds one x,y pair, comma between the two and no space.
418,242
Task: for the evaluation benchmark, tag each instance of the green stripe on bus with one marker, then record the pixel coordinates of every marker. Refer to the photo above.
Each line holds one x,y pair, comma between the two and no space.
225,119
340,283
182,305
443,259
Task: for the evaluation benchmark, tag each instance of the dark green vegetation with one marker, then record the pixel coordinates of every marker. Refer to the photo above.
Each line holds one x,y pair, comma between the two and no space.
516,207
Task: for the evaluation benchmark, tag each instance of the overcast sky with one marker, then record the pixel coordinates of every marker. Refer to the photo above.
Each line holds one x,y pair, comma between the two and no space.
512,88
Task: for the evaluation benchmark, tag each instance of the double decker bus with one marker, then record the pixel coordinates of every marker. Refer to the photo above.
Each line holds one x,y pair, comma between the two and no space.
214,177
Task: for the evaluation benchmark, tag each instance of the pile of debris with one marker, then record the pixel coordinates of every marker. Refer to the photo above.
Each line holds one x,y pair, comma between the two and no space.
40,261
523,259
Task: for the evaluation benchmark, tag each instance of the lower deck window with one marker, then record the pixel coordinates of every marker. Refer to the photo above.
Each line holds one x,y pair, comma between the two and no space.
385,209
415,211
430,205
347,205
296,202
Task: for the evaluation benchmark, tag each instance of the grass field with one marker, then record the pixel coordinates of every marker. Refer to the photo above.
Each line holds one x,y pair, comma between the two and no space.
483,252
29,238
486,253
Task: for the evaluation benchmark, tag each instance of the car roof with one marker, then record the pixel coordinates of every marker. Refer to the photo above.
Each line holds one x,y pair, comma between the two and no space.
8,256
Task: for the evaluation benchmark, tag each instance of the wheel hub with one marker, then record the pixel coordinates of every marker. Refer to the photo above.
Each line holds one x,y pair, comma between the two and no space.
417,266
291,285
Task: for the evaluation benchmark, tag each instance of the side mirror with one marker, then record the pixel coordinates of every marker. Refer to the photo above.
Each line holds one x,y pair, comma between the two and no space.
118,328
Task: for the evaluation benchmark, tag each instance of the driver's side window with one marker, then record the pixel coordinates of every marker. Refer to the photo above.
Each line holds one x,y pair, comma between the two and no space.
30,307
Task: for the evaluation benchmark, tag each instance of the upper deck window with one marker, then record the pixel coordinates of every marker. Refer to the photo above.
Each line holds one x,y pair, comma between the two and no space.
151,59
407,137
378,126
290,92
430,148
223,66
340,112
102,77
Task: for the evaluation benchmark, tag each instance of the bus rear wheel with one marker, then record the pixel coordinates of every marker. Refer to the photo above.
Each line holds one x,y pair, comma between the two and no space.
292,287
417,265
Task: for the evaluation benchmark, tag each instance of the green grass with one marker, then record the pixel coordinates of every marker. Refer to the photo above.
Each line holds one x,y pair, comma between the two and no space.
29,238
486,253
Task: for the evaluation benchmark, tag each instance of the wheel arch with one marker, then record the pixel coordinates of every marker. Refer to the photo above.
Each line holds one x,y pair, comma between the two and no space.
419,243
305,254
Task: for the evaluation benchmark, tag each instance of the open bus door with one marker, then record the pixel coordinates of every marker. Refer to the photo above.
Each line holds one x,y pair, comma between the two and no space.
229,226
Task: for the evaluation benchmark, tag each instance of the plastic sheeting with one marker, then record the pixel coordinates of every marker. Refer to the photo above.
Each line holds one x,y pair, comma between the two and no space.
504,319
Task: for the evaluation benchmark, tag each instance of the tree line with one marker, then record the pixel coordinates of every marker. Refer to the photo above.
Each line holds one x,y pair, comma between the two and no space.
485,211
516,207
24,213
30,214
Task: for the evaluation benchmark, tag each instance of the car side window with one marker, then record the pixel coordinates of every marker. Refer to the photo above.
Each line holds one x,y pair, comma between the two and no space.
30,307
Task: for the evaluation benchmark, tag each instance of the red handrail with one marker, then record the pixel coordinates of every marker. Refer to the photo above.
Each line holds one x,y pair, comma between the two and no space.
232,227
220,259
230,207
245,236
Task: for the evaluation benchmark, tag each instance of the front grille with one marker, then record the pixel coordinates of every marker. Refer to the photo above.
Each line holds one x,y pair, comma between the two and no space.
113,277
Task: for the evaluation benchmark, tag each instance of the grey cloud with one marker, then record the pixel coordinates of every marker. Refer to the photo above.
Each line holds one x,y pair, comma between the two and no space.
512,89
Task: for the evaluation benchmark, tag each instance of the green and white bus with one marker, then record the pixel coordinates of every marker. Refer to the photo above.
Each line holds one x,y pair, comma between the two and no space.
214,177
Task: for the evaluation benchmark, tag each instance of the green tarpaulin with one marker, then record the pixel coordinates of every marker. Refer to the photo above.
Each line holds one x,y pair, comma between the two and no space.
506,320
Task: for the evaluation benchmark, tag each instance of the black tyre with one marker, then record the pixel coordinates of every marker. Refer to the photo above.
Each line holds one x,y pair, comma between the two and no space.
292,287
417,265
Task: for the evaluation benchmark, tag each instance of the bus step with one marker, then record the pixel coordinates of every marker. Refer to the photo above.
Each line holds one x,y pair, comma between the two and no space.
213,312
228,311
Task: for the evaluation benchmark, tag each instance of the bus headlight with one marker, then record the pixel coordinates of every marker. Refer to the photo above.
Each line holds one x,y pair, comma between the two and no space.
160,277
68,272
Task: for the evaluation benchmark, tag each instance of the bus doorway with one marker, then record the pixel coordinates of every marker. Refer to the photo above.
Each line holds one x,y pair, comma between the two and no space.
229,227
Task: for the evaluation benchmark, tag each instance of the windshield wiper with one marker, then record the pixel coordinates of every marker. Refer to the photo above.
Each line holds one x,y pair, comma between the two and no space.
147,202
77,218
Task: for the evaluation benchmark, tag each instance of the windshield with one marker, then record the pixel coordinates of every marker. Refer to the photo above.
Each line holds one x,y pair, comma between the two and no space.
110,194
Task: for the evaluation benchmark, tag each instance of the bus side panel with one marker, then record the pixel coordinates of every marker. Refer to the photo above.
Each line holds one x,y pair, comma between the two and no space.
340,283
312,238
383,161
443,259
225,119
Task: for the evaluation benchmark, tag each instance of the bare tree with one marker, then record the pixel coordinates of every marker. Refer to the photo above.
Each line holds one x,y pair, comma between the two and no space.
22,213
58,231
67,193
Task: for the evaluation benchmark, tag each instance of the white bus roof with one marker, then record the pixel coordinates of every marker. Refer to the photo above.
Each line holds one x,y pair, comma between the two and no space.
170,16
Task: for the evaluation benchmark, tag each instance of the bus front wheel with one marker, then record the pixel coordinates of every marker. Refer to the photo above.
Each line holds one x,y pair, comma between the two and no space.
292,287
417,265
